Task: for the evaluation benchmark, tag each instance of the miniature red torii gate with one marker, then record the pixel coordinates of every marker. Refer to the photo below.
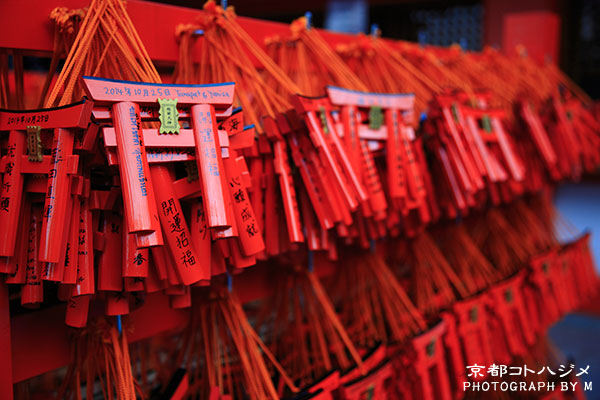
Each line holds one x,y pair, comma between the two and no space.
61,166
216,162
125,99
405,181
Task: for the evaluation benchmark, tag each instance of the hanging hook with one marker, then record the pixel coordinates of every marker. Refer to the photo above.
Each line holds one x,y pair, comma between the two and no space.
308,16
229,282
374,30
422,39
119,325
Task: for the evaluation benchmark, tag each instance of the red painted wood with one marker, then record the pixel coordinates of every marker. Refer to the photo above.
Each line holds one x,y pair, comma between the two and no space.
154,22
9,214
76,115
178,238
538,31
210,165
344,97
33,333
57,202
6,373
109,91
149,113
534,24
